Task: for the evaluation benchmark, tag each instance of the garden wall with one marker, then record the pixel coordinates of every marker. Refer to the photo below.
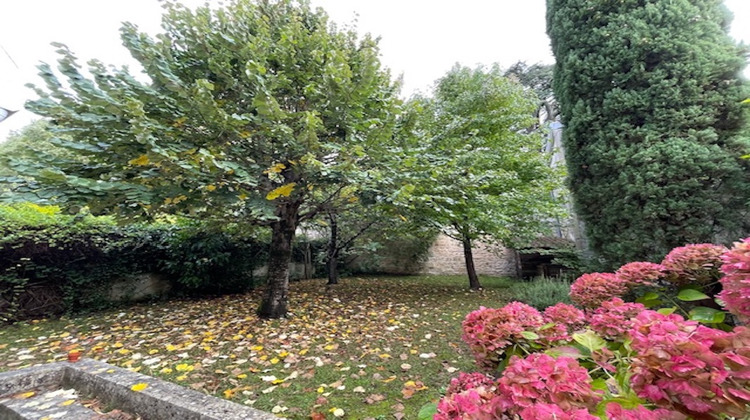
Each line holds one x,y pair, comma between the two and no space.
446,257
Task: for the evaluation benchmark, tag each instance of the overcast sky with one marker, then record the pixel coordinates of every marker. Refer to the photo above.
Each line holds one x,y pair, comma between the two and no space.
420,39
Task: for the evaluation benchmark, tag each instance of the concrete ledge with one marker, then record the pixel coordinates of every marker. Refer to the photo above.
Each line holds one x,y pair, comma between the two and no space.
111,386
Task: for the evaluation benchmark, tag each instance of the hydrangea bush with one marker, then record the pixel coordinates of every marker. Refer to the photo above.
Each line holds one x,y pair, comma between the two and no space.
736,280
590,290
694,263
613,359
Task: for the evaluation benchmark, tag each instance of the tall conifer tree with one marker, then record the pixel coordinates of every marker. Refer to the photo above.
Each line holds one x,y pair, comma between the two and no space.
651,97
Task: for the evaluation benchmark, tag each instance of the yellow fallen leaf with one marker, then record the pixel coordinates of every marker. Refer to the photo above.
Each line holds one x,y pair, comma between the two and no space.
229,393
184,367
25,395
256,348
139,387
67,403
321,390
141,160
166,370
242,376
275,360
277,381
181,377
210,187
303,352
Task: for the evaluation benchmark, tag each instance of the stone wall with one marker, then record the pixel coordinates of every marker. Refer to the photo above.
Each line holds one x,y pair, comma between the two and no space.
446,257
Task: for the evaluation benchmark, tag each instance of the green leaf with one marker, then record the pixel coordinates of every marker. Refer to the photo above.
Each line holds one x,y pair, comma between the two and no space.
529,335
667,311
599,384
648,296
649,300
565,351
590,340
547,326
427,412
707,315
690,295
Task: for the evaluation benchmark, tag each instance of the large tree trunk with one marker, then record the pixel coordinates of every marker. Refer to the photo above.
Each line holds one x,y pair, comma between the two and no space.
470,270
332,254
275,300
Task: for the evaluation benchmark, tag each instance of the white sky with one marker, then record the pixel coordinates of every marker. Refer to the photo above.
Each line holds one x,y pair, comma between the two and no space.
420,39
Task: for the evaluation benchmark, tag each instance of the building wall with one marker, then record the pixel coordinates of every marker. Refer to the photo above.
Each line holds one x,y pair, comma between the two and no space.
446,256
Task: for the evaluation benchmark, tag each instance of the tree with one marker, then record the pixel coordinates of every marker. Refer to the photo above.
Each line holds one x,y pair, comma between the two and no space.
537,77
650,93
472,168
249,111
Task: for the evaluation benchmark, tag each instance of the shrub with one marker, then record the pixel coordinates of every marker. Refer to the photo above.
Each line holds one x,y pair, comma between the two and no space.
629,363
613,319
736,280
51,262
590,290
488,332
694,264
688,367
206,259
636,274
540,378
543,292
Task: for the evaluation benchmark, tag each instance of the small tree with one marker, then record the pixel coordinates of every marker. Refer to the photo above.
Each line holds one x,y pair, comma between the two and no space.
250,110
472,169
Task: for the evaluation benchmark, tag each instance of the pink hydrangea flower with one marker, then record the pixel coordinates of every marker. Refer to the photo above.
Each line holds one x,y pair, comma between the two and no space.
489,331
540,378
566,319
543,411
615,318
640,273
694,264
467,381
590,290
736,280
687,367
478,404
615,411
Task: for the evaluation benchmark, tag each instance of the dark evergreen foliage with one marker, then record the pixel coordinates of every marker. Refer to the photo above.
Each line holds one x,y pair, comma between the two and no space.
651,97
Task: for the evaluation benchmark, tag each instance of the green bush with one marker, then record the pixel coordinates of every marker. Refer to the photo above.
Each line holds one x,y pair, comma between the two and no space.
542,292
205,259
52,262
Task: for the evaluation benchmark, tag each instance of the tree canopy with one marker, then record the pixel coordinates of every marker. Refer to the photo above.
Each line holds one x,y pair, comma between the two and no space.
473,168
249,111
650,94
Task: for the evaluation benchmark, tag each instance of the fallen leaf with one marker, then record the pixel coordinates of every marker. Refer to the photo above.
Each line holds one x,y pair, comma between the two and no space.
139,387
374,398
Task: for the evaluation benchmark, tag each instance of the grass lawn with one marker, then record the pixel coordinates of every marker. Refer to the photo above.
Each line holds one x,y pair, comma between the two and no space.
376,347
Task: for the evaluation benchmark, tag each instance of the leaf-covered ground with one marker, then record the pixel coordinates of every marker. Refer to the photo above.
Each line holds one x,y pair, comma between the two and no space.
368,348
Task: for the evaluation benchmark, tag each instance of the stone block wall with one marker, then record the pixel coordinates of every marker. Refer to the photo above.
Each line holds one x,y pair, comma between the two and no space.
446,257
